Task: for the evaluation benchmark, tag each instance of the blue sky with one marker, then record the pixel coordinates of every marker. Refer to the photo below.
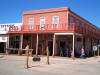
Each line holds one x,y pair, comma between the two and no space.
11,10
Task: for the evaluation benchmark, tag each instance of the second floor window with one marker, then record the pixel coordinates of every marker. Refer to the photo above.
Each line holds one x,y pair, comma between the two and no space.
77,25
31,23
55,20
42,23
71,22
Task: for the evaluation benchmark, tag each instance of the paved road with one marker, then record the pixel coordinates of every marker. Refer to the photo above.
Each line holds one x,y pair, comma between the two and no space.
14,65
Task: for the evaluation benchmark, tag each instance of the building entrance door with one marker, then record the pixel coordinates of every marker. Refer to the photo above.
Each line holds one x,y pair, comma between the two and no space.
62,48
2,47
50,46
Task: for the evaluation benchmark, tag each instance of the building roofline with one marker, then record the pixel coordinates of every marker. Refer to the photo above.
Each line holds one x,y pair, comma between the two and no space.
46,11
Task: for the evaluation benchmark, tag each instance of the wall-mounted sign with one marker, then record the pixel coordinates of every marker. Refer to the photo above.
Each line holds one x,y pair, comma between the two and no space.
95,48
3,38
98,45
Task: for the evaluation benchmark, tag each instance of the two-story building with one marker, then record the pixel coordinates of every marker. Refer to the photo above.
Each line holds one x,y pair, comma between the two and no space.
55,28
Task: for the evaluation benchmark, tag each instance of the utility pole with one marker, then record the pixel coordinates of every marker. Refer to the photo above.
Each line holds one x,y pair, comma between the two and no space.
27,57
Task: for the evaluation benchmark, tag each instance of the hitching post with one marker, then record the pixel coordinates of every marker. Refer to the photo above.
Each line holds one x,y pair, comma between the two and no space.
27,56
47,56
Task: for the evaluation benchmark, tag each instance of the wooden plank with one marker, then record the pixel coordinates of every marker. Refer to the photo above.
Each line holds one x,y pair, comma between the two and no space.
19,50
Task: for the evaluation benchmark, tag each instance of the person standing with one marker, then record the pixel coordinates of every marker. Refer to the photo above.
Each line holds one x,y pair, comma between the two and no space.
61,51
82,53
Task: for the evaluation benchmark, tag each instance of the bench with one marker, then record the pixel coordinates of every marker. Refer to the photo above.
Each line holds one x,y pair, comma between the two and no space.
19,51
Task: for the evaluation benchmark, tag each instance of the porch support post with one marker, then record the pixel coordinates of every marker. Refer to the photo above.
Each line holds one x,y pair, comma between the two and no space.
73,46
7,46
82,40
53,45
20,44
8,41
21,41
37,46
98,51
31,41
98,47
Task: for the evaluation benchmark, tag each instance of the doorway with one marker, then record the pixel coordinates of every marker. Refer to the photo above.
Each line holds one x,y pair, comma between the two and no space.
62,48
50,46
2,47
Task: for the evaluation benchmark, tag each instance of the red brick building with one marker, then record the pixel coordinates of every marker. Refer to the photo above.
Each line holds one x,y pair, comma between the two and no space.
54,28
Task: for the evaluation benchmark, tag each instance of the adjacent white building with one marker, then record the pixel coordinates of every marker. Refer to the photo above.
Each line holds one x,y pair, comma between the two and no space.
4,28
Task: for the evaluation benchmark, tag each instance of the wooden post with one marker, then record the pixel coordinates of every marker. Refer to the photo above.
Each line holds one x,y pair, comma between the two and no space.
21,44
94,54
98,51
47,56
53,45
7,45
42,49
37,46
73,46
42,44
32,41
8,40
21,41
82,40
26,66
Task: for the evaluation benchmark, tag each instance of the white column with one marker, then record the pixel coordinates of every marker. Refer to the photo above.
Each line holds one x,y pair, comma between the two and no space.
37,45
53,45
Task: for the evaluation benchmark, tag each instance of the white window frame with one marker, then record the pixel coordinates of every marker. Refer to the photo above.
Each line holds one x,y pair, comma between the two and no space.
77,24
31,25
71,22
42,25
53,21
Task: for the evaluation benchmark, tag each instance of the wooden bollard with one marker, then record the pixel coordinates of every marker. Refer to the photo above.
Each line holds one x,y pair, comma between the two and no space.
26,66
47,62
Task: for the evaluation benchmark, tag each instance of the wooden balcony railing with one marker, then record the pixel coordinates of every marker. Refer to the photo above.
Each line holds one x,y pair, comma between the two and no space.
53,27
46,27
